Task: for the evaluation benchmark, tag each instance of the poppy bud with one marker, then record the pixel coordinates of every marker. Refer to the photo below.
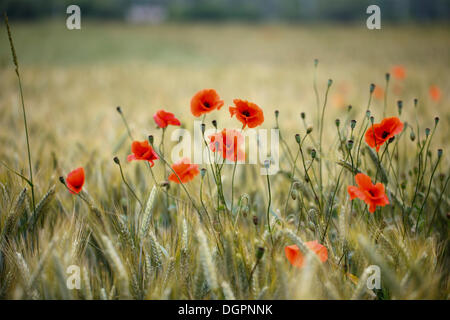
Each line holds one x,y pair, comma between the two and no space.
245,210
119,109
259,253
214,123
372,88
313,153
164,184
316,62
116,160
61,179
294,194
440,153
387,76
350,144
400,106
338,122
150,139
436,121
297,138
203,172
412,136
255,220
309,129
330,82
353,124
427,131
303,115
203,127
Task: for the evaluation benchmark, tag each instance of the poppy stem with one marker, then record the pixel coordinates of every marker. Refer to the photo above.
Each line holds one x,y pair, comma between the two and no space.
269,204
437,205
116,160
320,140
119,110
428,193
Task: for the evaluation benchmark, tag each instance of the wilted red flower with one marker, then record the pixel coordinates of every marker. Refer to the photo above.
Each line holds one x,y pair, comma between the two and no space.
142,150
378,92
296,258
75,180
399,72
247,112
435,93
372,195
163,119
185,170
228,142
205,101
379,133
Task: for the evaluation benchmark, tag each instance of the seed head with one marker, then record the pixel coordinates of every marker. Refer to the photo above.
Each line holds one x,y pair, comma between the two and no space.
338,122
427,131
372,88
316,62
330,82
255,220
400,106
203,172
309,129
259,253
350,144
440,151
313,153
214,123
119,109
61,179
116,160
277,113
387,76
303,115
436,121
203,127
412,135
150,139
353,124
297,138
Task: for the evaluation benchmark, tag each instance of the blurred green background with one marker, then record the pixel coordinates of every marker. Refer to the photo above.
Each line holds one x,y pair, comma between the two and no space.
219,10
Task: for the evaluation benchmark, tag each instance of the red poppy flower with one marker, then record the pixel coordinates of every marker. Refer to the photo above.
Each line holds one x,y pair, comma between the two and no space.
379,133
163,119
205,101
75,180
372,195
435,93
228,142
185,170
399,72
296,258
247,112
142,150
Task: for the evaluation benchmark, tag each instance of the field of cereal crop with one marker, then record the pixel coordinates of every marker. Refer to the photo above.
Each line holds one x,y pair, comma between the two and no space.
186,241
